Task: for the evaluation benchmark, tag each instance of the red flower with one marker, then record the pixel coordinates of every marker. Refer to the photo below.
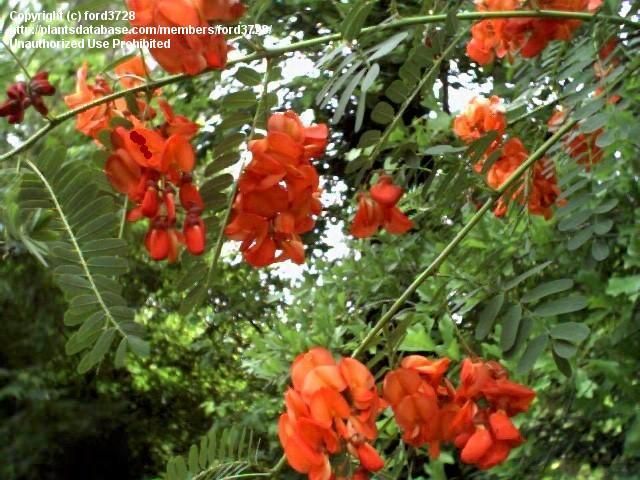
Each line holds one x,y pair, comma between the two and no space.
528,36
21,96
377,209
475,417
188,53
278,192
331,408
17,102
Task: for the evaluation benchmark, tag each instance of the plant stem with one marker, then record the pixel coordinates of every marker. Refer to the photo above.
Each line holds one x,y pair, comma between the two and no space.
446,251
278,51
234,189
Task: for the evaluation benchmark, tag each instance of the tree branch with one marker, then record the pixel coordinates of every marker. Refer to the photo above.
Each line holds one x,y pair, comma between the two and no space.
278,51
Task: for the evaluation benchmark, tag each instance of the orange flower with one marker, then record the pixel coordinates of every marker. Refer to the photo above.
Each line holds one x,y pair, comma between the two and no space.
331,408
278,192
189,53
479,118
94,120
528,36
475,417
377,209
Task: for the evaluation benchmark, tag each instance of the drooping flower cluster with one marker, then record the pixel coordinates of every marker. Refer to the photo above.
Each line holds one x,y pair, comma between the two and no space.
278,192
331,408
22,95
475,417
189,52
506,37
541,192
377,209
151,165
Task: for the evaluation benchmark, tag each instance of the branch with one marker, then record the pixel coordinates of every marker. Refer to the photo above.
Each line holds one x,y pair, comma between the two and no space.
444,254
278,51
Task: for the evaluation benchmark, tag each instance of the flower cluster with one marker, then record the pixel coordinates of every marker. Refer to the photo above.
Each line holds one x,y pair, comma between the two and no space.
94,120
331,407
541,192
150,164
22,95
188,53
278,192
475,417
377,209
505,37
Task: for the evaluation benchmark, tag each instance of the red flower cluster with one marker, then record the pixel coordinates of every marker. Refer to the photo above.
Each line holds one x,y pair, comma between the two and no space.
189,53
278,192
475,417
502,37
483,116
331,407
22,95
377,209
148,166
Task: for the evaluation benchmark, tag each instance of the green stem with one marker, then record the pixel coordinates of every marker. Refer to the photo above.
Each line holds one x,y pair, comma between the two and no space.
18,61
444,254
276,52
234,189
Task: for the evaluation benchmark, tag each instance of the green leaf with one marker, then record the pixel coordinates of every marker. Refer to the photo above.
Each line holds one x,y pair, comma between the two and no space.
355,19
546,289
387,46
580,238
564,349
602,227
248,76
397,92
370,77
121,354
239,100
562,363
510,324
599,250
570,331
607,206
561,306
97,353
534,348
443,149
138,346
523,276
369,138
595,122
575,221
382,113
193,460
488,315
